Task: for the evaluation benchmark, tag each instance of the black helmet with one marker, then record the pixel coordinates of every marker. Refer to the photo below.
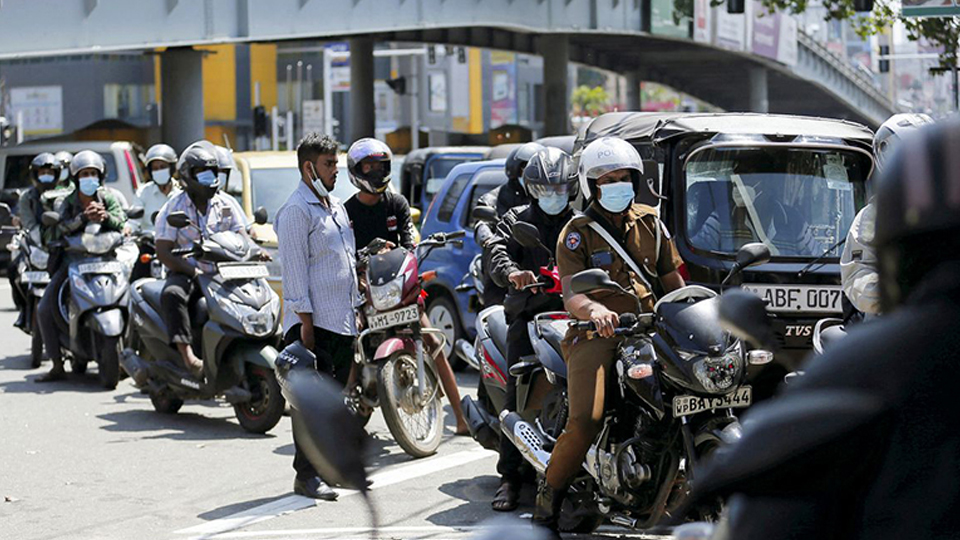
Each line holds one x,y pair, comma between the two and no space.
918,210
550,171
88,159
45,160
198,157
64,158
518,158
295,356
369,151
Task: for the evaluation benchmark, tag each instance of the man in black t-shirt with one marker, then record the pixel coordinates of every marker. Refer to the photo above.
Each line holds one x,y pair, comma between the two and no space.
374,213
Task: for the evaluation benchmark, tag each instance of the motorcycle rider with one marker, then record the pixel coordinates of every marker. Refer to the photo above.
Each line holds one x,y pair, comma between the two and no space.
610,173
858,262
376,212
878,408
161,164
212,212
502,199
90,202
64,158
550,179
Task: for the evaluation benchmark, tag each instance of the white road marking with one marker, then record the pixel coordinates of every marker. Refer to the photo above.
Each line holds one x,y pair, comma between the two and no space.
292,503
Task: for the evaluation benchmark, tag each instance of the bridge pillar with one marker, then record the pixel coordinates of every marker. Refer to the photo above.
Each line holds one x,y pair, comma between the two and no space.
363,120
632,101
555,50
759,102
181,92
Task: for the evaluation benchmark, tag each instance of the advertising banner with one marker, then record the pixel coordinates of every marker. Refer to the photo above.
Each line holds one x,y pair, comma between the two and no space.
931,8
774,36
503,88
662,23
702,15
42,108
731,30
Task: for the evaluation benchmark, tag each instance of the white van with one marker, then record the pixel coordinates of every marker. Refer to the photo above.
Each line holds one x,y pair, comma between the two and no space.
124,172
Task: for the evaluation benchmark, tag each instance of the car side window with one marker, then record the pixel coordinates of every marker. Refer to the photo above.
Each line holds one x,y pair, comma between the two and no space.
479,190
452,197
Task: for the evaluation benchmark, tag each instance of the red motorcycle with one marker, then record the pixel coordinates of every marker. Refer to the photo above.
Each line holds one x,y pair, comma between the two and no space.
396,374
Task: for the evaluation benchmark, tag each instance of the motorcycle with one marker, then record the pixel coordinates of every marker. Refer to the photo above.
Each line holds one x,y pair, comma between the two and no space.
472,281
538,396
32,282
235,326
94,298
679,376
396,374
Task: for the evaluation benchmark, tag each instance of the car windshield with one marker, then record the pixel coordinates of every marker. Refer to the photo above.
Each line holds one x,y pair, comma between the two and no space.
797,201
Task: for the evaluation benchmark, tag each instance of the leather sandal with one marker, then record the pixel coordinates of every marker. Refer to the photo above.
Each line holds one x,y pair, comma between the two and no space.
507,497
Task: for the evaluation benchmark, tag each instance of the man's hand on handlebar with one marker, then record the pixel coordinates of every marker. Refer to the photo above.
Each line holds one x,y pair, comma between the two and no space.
604,320
522,278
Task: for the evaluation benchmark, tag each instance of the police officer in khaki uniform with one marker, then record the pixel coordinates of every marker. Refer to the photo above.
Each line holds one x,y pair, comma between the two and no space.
610,171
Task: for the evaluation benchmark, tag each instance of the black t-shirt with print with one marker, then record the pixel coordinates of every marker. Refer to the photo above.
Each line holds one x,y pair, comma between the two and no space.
389,219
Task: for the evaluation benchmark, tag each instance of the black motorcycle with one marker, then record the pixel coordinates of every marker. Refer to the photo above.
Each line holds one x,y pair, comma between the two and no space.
679,376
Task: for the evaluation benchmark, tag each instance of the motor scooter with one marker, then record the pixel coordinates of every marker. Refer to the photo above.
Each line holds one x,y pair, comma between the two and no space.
31,283
235,326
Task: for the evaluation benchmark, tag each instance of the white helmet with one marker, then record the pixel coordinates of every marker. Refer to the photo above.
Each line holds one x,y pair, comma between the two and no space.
893,130
604,155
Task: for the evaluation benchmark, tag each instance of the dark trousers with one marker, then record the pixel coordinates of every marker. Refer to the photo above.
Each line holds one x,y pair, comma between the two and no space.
175,304
48,311
334,358
12,274
518,346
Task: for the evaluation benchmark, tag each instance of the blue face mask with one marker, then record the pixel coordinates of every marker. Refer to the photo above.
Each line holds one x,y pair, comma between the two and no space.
46,178
89,185
206,178
553,205
616,197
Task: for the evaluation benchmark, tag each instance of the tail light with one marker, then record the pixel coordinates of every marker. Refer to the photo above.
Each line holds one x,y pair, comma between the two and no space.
132,168
145,258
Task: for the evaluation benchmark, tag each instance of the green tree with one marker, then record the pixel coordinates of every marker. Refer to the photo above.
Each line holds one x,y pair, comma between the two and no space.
590,101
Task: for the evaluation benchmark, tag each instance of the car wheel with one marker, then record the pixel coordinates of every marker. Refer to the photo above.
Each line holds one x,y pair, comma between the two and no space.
443,316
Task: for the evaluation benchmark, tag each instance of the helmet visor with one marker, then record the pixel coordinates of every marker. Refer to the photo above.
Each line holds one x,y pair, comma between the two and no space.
545,190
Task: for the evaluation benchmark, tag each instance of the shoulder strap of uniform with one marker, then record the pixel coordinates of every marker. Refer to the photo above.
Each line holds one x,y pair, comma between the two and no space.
616,247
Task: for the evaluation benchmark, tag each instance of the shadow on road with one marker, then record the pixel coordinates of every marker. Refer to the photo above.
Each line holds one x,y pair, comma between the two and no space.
19,363
88,383
186,426
476,494
234,508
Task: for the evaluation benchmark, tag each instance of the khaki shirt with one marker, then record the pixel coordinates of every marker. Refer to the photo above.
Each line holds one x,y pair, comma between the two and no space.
580,247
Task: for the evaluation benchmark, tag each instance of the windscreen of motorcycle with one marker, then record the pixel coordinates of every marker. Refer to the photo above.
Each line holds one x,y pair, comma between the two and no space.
228,246
385,267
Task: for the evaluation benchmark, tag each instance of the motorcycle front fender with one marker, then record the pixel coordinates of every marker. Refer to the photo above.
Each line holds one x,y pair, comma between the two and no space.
256,353
393,345
109,323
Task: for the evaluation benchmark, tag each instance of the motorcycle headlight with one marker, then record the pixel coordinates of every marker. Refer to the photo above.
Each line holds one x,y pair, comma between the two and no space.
39,258
719,374
388,295
262,323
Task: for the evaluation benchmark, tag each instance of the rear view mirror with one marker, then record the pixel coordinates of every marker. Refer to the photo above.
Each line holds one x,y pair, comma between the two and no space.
49,219
744,315
591,280
260,216
527,235
135,212
484,213
178,220
753,254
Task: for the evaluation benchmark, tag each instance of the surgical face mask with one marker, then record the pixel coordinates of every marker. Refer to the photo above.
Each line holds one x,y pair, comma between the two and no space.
89,185
206,178
161,177
553,205
317,183
46,178
616,197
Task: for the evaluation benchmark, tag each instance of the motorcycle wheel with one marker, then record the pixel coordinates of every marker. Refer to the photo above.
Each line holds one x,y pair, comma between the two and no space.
109,362
165,403
36,342
415,425
263,411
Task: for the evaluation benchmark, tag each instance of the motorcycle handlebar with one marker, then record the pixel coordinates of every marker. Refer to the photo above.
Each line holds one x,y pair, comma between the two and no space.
456,234
628,323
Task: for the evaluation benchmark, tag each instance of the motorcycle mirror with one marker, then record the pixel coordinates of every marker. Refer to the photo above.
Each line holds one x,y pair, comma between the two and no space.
744,315
49,219
753,254
153,217
4,213
591,280
484,213
135,212
528,235
260,216
178,220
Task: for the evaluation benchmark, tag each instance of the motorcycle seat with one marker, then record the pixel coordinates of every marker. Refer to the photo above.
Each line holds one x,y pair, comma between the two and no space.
151,293
497,326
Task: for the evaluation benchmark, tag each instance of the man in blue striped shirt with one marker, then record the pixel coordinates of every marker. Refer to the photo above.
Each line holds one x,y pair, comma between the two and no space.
318,256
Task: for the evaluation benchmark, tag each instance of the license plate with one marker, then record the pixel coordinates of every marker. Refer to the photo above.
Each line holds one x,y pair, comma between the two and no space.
243,271
406,315
687,405
799,298
36,277
110,267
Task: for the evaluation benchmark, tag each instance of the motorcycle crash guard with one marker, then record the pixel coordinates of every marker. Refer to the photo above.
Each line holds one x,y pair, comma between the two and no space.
109,323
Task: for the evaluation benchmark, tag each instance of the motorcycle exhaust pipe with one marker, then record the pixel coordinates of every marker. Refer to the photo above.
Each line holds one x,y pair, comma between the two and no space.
526,438
484,427
467,352
135,366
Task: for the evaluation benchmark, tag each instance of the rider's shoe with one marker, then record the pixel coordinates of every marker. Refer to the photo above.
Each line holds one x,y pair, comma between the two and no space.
55,374
546,515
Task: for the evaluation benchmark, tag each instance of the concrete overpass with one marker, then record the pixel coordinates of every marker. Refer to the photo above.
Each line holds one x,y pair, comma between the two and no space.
604,33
